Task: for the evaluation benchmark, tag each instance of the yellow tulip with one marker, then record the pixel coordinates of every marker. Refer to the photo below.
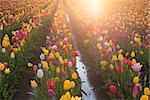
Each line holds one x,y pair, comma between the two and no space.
68,95
57,70
30,65
136,80
72,84
51,56
67,84
133,61
114,57
7,71
120,57
2,66
111,66
33,84
45,64
146,91
46,52
74,75
57,54
132,54
120,51
103,63
144,97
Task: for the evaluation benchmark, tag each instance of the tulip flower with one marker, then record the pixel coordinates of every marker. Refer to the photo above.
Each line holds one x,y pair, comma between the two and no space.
103,63
119,69
33,84
120,57
7,71
72,84
57,70
63,73
113,89
2,66
114,58
51,93
70,64
136,67
57,54
35,68
51,56
132,54
3,50
46,52
75,53
12,55
111,66
74,75
42,56
136,80
40,73
30,65
135,90
133,61
144,97
67,85
147,91
45,64
68,95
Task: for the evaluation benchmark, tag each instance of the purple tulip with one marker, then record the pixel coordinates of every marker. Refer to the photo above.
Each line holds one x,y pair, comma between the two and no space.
136,67
51,93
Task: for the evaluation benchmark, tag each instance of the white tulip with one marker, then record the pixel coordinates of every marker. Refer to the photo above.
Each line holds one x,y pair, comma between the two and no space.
3,50
42,56
40,73
12,55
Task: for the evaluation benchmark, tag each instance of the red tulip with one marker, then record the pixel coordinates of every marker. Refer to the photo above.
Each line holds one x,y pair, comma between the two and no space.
75,53
51,84
135,90
119,69
125,60
109,81
113,89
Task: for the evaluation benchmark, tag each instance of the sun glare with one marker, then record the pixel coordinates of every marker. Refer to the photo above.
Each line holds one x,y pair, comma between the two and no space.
93,6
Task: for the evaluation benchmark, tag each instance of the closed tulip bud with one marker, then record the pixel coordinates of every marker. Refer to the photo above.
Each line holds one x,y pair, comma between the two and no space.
40,73
68,95
120,57
12,55
144,97
51,56
114,57
113,89
57,54
42,56
3,50
132,54
74,75
2,66
73,84
70,64
46,52
30,65
136,80
35,68
146,91
57,70
33,84
111,66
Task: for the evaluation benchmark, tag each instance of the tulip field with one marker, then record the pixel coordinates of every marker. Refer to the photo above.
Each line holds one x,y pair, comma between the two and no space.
74,50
